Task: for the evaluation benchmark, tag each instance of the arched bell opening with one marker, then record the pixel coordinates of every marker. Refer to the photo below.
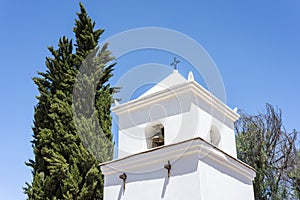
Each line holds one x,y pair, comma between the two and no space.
215,136
155,134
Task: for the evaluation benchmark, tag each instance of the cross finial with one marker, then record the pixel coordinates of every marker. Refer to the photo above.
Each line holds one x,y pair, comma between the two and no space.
175,63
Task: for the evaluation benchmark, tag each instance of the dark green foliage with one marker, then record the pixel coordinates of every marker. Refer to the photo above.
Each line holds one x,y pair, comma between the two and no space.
263,143
64,168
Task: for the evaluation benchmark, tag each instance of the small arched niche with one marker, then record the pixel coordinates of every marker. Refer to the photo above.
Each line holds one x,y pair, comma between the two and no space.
155,134
214,136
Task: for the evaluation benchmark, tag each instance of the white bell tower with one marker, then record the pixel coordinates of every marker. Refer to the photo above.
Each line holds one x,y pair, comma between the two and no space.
176,141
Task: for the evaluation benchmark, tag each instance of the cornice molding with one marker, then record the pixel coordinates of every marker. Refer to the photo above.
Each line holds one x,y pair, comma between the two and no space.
156,157
160,96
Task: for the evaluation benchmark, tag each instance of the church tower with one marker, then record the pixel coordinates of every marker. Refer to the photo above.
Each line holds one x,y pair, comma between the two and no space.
176,141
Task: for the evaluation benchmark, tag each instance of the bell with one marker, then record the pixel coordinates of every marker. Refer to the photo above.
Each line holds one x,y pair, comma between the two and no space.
158,138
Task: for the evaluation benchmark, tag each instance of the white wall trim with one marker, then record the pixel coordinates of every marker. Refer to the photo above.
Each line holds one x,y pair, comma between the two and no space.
156,157
160,96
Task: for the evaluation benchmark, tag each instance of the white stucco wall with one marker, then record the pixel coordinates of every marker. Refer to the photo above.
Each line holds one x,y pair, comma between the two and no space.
183,116
220,183
156,184
198,171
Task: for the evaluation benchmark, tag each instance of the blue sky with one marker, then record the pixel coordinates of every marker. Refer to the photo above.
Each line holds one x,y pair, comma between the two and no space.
255,44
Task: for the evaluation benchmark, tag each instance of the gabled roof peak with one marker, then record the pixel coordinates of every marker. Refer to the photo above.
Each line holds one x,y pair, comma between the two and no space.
173,79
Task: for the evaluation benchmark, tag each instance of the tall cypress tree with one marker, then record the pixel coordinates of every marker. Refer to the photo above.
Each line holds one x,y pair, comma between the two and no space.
65,163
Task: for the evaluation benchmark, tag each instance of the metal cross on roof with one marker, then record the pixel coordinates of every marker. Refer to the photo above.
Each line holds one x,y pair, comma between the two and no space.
175,63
